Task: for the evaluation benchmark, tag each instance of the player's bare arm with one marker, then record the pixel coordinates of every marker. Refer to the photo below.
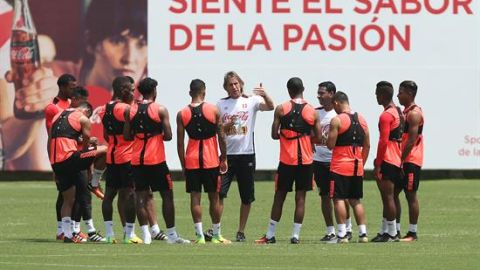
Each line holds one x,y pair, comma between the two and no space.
181,140
317,130
167,129
276,123
366,146
333,132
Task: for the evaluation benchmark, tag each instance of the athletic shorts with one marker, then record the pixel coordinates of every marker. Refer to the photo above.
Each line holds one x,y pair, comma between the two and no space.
152,177
119,176
68,172
241,167
321,173
210,179
411,177
390,172
286,175
346,187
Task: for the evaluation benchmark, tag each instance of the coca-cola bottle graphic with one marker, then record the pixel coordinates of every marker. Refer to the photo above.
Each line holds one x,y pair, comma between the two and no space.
24,54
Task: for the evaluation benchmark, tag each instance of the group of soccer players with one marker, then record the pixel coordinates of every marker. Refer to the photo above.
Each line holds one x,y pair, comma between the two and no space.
329,144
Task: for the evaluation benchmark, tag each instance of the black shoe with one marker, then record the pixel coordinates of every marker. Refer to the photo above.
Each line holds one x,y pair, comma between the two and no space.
399,235
208,235
159,236
328,237
294,240
409,237
96,237
387,238
240,237
378,237
349,236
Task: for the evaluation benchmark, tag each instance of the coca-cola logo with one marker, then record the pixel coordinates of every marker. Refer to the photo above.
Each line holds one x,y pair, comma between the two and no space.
22,54
243,115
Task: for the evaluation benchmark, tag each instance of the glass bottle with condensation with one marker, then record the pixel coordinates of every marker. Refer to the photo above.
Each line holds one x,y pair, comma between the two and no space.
24,55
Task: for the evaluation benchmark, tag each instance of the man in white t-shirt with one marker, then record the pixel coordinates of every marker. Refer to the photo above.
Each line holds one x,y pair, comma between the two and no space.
323,157
238,112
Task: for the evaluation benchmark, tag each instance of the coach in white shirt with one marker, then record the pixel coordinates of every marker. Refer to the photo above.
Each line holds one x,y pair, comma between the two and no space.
238,112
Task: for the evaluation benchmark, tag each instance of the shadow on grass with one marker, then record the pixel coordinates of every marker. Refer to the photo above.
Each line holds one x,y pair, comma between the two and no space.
37,240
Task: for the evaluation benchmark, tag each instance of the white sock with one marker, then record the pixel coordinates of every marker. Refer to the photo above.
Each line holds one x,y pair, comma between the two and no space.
59,227
130,229
147,237
398,226
109,228
391,229
296,230
155,229
96,175
362,229
272,226
172,233
383,227
341,230
216,229
67,227
349,225
330,230
90,227
412,228
76,227
199,229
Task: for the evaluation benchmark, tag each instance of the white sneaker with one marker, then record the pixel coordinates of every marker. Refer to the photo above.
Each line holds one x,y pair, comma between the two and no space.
147,239
178,240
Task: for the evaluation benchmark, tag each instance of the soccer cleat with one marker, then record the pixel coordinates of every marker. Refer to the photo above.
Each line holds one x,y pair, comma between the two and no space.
80,236
200,239
349,236
378,237
178,240
409,237
387,238
59,237
97,191
399,235
329,239
75,239
218,239
95,237
111,240
362,238
240,237
132,240
159,236
294,240
342,240
265,240
208,235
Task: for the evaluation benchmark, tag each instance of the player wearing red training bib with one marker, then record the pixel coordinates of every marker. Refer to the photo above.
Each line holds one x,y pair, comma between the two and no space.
412,156
201,162
293,124
387,162
350,140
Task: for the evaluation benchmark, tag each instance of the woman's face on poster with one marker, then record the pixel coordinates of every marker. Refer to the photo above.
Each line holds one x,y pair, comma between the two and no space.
122,55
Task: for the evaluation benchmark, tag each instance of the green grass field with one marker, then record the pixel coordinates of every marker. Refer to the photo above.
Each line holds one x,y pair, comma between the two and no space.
448,234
